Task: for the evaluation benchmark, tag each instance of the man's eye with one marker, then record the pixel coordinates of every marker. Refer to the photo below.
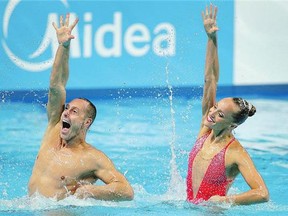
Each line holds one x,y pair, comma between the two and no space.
221,115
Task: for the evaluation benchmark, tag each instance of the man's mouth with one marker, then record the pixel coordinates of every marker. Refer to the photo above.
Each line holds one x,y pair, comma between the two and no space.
65,126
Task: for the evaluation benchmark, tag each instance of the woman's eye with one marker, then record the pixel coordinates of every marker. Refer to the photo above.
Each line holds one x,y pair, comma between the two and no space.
221,115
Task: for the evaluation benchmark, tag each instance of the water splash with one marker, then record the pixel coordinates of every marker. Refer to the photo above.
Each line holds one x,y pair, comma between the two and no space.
5,95
38,202
177,183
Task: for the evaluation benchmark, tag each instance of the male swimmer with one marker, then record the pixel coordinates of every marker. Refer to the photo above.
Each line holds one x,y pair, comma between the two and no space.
66,164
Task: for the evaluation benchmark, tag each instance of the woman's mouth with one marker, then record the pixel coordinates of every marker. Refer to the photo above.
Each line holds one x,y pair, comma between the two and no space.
209,119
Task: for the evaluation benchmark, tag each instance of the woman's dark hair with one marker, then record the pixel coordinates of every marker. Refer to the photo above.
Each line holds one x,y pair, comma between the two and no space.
246,110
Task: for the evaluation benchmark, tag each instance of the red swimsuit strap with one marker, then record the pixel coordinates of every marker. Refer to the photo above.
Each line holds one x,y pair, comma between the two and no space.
231,141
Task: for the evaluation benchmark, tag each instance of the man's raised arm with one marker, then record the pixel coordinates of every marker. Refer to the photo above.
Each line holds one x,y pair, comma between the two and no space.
60,71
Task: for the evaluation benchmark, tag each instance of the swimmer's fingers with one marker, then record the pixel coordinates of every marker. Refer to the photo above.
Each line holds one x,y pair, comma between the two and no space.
74,23
211,11
71,28
55,26
84,192
74,188
203,16
216,199
215,27
67,20
61,21
215,13
206,11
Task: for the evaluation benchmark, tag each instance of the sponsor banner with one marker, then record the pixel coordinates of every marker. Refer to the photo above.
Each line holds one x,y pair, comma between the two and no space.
118,44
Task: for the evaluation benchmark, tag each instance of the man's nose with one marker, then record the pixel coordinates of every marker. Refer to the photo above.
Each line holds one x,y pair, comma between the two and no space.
66,113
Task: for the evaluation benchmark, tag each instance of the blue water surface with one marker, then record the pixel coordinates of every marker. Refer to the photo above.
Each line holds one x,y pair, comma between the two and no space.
142,136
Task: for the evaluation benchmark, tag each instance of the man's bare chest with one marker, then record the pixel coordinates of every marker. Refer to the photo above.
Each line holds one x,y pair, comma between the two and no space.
63,162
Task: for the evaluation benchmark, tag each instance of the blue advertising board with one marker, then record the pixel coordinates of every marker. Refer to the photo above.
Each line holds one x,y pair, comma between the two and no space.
117,44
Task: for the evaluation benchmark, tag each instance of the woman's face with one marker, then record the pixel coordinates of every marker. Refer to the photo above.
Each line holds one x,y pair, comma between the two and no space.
220,116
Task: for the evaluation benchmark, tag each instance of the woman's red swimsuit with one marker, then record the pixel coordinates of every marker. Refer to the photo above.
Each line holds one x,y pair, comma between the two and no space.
215,181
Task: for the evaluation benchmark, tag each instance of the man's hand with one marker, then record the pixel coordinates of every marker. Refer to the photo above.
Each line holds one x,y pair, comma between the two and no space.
209,20
84,191
64,31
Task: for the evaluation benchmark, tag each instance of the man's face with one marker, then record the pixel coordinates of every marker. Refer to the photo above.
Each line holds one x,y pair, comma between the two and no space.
74,120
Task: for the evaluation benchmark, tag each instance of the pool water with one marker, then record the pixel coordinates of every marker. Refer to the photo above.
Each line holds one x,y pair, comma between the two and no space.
149,140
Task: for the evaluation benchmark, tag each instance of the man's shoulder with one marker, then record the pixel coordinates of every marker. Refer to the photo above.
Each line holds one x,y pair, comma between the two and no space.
92,149
94,152
51,134
53,128
97,157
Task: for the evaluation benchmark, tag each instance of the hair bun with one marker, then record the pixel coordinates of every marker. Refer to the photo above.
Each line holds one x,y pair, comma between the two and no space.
252,111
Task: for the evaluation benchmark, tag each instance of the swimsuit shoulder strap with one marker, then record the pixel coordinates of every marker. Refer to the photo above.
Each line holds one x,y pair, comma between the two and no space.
231,141
204,137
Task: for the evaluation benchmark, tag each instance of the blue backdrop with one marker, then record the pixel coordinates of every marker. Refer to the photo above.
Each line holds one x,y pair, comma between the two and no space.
118,44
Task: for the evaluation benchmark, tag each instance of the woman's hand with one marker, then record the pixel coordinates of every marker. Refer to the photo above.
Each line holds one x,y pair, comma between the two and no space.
217,199
209,20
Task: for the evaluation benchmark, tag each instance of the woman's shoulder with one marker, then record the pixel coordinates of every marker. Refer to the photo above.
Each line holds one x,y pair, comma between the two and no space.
203,131
235,146
237,151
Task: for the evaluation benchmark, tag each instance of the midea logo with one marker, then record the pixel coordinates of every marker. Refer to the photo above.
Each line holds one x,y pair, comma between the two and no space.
136,40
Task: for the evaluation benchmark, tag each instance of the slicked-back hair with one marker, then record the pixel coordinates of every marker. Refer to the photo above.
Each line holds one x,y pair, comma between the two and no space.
246,110
91,109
